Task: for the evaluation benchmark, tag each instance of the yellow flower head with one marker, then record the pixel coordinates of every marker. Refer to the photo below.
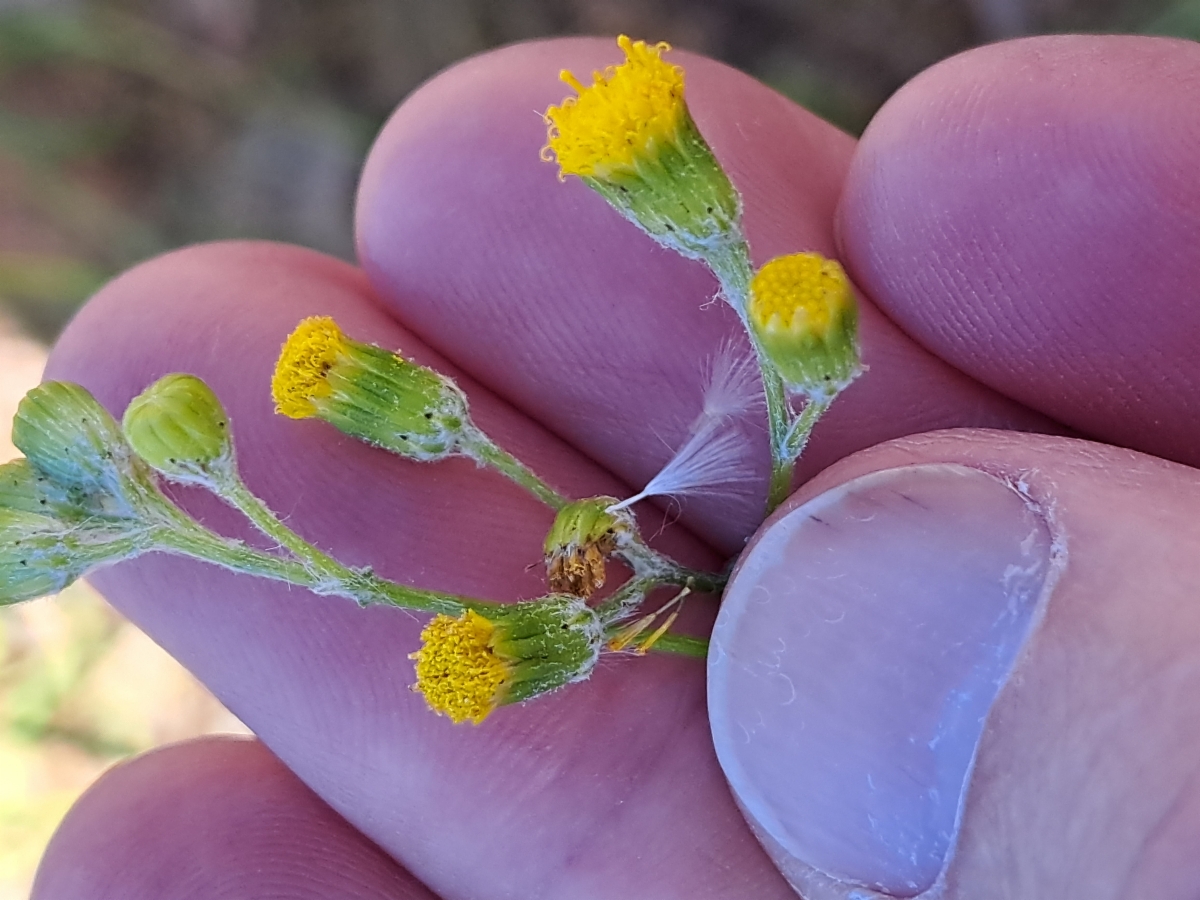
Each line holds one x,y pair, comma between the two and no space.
628,111
801,292
300,375
496,655
457,670
368,392
803,312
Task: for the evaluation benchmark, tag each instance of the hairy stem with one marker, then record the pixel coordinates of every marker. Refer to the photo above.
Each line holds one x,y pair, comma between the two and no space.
484,450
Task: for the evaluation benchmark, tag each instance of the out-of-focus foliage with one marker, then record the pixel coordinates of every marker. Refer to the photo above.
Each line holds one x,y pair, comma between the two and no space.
1181,19
131,126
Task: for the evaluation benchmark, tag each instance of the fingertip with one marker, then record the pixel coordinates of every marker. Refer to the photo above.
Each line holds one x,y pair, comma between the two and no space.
219,819
1029,212
1041,743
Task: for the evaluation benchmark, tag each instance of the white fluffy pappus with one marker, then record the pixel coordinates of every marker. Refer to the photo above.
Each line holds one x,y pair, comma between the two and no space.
714,457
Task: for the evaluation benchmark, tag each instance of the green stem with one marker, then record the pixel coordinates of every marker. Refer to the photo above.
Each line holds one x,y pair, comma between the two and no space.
368,589
678,575
626,599
731,264
194,541
484,450
650,565
779,422
311,569
234,492
802,428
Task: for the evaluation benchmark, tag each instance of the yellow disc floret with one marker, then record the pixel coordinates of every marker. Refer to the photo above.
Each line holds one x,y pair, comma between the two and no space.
801,292
307,356
626,112
457,671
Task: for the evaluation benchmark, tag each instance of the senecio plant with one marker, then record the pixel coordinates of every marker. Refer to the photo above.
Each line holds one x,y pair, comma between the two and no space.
88,491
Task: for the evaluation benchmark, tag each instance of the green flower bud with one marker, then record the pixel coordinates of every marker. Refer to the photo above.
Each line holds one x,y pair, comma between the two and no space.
73,442
485,658
24,488
179,427
367,392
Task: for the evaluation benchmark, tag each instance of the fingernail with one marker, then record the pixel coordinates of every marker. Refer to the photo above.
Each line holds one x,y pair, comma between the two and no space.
857,653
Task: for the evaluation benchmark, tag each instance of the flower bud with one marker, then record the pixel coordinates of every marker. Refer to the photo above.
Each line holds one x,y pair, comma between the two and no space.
488,657
803,313
24,488
179,427
630,137
73,442
367,392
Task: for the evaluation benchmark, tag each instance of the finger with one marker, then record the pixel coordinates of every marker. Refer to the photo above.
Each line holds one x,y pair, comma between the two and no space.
606,787
541,291
964,665
1029,211
217,819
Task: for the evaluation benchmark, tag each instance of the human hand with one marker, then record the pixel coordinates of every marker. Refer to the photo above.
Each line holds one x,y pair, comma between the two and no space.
1027,211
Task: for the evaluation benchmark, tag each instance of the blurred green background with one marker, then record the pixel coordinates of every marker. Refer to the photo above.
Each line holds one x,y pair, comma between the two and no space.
128,127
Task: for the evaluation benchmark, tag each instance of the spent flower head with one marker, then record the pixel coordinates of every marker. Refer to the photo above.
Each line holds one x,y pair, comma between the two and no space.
805,317
468,665
584,534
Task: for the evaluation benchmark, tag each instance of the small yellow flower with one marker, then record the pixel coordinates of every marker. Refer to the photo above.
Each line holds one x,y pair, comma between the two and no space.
489,657
627,112
457,671
804,315
301,373
368,392
630,137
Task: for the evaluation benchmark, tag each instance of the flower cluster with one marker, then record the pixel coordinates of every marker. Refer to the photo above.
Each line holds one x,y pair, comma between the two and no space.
88,491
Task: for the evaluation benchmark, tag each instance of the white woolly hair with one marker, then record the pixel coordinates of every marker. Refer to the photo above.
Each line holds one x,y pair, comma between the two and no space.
714,457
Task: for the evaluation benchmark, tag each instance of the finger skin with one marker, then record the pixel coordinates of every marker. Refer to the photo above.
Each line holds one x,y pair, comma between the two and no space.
213,819
606,788
540,290
1084,783
1030,212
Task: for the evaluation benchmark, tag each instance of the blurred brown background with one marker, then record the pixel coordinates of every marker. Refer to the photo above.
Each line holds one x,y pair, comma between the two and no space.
128,127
